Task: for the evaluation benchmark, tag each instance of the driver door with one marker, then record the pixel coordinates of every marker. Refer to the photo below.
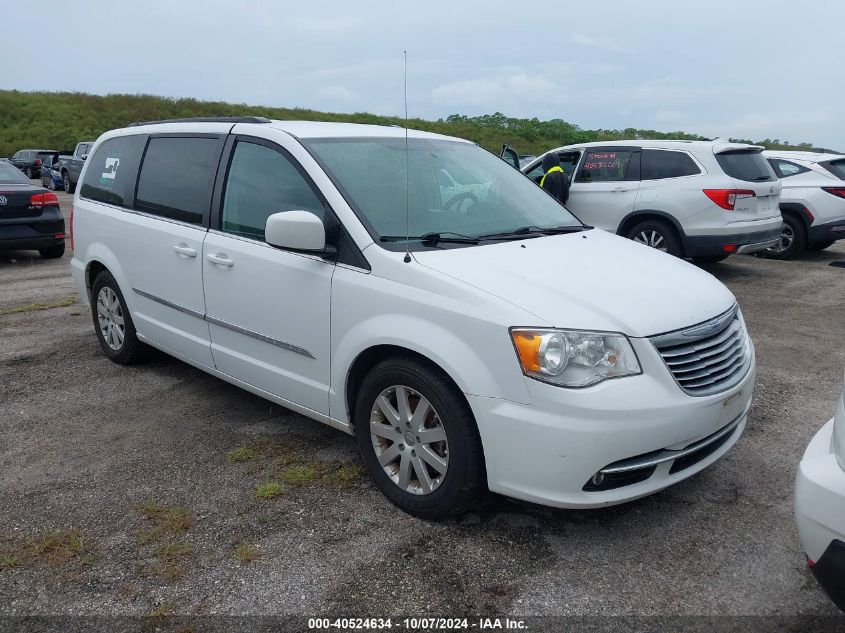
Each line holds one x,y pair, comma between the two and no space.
605,186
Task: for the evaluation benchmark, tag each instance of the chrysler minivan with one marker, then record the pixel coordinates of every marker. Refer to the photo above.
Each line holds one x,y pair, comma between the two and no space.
417,292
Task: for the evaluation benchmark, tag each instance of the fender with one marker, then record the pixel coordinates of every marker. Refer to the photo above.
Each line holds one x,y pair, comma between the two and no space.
99,252
454,355
627,221
798,209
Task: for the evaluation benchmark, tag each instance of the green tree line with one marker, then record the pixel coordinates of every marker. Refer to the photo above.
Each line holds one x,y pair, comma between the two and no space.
59,120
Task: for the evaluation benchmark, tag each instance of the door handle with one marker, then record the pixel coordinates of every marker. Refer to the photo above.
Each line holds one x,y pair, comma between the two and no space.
184,250
220,259
620,189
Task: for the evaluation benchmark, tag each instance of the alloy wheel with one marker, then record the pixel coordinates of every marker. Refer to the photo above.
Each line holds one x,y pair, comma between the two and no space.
409,440
66,182
651,238
110,318
787,237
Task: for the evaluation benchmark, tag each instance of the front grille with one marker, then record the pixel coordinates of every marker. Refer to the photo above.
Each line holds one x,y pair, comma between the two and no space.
710,357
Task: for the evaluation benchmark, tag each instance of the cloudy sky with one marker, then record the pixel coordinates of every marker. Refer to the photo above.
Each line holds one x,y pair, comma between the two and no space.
741,68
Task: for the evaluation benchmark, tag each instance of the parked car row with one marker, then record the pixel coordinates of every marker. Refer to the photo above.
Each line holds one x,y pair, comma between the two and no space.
55,169
704,200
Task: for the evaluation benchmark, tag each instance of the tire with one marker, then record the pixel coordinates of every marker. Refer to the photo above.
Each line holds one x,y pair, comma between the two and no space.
53,252
793,240
820,246
28,172
710,259
129,350
458,481
656,234
68,185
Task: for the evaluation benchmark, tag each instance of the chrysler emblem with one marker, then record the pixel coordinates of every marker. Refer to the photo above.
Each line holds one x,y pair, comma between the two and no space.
3,201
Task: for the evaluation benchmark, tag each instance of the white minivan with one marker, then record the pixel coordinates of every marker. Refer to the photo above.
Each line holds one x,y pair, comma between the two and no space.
704,200
418,293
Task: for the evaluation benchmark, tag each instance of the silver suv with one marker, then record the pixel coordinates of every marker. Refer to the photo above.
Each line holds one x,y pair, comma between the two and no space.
699,199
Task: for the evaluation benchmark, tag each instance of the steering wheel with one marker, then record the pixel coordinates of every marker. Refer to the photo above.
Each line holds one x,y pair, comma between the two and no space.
454,203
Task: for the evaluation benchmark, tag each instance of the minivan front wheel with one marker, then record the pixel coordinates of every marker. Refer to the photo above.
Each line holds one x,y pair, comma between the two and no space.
418,439
656,234
113,324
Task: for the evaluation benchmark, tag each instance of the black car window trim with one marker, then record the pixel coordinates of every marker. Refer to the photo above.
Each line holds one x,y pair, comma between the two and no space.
204,224
335,231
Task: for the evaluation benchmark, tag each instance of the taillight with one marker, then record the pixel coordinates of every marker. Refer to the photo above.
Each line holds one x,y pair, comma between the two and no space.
70,221
41,200
726,198
839,192
38,162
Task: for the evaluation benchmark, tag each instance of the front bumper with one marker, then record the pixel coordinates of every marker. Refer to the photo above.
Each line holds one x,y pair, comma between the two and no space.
820,512
703,245
827,231
548,451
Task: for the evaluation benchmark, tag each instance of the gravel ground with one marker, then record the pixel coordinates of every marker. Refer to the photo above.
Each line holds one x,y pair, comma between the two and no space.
120,494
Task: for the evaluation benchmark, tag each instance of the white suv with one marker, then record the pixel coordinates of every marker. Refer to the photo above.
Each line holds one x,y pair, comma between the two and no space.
812,203
699,199
479,337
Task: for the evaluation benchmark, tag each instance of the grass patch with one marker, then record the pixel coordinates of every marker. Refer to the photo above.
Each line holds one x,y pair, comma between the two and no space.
164,536
53,547
345,474
34,307
240,454
246,553
298,475
269,490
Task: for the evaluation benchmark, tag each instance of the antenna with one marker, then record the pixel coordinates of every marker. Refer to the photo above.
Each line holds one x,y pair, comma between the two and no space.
407,258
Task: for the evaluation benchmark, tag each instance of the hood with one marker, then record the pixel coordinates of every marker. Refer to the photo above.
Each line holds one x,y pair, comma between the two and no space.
591,280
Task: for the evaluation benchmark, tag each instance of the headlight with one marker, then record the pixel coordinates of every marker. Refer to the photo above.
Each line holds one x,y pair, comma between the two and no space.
574,358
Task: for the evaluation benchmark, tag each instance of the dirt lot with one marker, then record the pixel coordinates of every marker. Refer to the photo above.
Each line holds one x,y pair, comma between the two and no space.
144,490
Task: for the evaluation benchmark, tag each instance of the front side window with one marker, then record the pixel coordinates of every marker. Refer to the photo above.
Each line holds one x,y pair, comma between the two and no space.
609,164
261,182
450,187
747,165
110,173
659,164
177,177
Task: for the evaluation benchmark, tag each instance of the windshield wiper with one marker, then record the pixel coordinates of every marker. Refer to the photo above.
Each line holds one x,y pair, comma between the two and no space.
433,238
535,231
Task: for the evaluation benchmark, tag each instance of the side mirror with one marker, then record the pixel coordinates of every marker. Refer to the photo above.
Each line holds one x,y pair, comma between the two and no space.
297,231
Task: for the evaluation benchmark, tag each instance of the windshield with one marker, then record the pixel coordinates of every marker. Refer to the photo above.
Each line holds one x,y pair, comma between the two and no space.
10,175
453,187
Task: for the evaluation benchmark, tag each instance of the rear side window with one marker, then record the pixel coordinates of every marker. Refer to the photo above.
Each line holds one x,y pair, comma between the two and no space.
785,168
610,164
177,177
746,165
261,182
110,173
659,164
836,167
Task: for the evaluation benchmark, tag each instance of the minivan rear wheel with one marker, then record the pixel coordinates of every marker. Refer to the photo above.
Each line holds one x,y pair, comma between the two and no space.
656,234
418,439
113,324
793,239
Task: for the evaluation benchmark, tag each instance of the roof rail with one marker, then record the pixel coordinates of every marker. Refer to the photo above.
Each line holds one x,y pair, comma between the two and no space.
209,119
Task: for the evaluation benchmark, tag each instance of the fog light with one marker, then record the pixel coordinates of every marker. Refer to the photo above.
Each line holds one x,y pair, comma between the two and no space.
598,479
